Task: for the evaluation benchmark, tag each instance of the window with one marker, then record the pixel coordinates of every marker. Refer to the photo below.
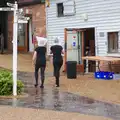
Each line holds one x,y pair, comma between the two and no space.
66,8
60,9
113,42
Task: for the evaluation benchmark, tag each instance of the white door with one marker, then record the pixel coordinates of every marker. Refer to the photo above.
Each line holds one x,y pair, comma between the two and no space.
74,46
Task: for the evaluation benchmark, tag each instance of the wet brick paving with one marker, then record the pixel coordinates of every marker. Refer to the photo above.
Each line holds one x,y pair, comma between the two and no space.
51,98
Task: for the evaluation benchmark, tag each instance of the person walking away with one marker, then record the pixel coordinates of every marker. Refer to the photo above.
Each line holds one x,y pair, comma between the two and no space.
57,51
39,60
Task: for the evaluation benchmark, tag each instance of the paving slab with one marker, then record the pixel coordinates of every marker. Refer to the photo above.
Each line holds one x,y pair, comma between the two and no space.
14,113
75,97
52,98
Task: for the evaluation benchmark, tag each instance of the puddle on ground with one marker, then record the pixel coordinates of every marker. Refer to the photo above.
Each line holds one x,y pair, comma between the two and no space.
51,98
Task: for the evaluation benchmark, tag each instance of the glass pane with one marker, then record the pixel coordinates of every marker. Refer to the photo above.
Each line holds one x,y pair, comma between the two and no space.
113,42
21,35
72,46
60,9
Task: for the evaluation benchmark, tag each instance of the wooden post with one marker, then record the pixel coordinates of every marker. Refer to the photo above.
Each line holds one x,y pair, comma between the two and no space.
65,54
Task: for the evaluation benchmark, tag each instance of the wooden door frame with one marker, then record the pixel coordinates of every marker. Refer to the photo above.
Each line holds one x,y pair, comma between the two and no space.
25,48
80,68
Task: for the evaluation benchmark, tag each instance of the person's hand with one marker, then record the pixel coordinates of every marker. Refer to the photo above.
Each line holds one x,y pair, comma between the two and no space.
33,63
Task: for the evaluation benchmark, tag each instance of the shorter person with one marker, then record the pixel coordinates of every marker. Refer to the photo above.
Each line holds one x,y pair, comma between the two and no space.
57,50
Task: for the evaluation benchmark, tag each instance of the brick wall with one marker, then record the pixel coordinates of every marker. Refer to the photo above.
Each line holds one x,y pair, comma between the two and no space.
38,18
38,21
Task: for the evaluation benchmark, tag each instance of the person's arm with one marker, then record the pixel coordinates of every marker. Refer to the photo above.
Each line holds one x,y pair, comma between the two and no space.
34,57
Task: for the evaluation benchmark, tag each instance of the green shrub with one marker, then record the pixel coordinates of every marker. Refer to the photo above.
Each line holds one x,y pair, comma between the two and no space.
6,83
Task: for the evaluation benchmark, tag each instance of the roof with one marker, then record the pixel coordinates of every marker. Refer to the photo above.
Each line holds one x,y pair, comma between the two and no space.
29,2
3,3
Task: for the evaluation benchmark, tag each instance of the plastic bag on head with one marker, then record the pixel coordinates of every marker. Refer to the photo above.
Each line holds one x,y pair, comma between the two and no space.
41,41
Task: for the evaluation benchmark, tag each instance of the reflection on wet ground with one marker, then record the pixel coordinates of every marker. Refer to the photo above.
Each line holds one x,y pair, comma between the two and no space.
52,98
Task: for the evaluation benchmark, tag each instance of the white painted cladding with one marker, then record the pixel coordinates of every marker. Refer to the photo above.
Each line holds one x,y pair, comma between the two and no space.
104,15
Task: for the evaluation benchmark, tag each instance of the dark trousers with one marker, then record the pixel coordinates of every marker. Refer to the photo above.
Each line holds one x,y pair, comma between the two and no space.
42,74
57,67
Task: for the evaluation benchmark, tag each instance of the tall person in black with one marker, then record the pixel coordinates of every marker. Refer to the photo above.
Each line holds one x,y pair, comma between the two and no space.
39,59
57,51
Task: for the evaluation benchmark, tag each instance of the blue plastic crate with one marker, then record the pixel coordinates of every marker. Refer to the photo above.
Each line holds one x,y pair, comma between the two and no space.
108,75
104,75
97,75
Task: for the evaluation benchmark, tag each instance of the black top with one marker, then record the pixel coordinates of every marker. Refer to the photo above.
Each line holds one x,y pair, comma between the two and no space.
56,50
41,55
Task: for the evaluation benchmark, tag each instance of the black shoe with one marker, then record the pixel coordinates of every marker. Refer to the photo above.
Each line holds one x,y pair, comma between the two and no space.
36,85
41,86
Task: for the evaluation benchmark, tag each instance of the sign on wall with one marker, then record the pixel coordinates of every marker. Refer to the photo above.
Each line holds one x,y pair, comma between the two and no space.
101,34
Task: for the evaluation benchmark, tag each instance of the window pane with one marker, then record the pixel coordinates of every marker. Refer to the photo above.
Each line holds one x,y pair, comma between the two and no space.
21,35
113,42
60,9
69,7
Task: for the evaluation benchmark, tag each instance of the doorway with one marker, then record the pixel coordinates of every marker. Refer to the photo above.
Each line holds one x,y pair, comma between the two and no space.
4,26
79,43
89,47
74,39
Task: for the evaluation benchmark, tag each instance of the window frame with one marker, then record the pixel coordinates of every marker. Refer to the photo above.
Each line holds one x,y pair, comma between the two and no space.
116,50
63,10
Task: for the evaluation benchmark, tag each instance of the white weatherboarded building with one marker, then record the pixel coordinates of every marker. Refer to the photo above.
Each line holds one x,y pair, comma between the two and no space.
102,15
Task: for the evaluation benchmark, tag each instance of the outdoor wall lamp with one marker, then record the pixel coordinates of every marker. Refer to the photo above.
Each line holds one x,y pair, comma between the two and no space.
85,16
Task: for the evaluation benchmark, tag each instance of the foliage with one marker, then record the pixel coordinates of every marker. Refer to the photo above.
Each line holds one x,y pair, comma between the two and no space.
6,83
